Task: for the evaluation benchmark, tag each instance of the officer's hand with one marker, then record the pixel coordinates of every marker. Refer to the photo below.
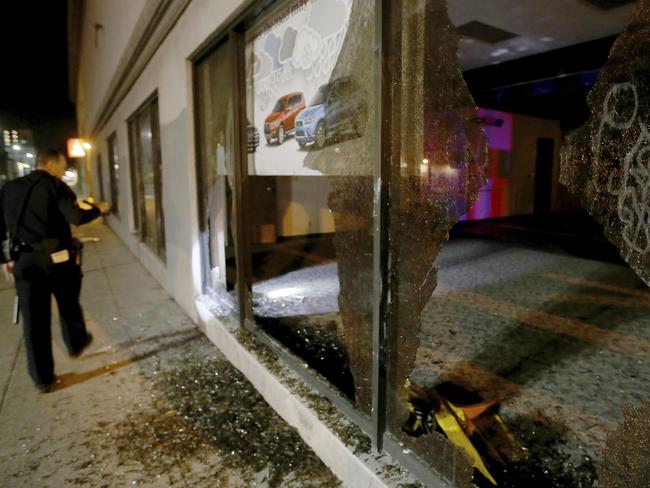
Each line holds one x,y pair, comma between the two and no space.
8,271
104,207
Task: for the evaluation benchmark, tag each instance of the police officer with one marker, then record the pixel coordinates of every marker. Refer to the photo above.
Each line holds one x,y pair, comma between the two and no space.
38,210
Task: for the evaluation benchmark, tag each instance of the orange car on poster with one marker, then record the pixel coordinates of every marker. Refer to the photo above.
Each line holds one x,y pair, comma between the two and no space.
281,122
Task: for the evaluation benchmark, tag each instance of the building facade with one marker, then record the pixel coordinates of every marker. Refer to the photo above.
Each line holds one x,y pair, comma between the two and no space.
294,170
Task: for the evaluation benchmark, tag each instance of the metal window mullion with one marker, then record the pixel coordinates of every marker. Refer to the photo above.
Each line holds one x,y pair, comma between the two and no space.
387,201
242,258
200,164
381,176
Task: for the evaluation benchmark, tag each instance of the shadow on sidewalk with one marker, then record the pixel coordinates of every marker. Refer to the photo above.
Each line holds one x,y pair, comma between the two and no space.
67,380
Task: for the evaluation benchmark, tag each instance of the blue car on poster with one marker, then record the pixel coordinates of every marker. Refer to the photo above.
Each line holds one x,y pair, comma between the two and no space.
338,107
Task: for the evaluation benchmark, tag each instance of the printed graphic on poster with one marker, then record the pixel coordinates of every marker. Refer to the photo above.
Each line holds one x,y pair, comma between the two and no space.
295,107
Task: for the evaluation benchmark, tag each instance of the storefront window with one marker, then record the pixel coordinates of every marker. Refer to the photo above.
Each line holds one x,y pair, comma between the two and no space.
309,213
217,179
113,173
144,136
519,351
505,313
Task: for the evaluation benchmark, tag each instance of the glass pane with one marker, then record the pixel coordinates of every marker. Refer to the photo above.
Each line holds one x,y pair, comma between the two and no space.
100,178
157,173
520,335
310,206
134,171
114,172
216,180
146,160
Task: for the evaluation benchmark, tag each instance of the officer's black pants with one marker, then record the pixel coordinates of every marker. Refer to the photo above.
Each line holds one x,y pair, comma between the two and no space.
37,278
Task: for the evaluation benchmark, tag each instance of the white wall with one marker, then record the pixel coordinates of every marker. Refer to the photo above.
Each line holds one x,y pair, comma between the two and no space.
168,73
100,56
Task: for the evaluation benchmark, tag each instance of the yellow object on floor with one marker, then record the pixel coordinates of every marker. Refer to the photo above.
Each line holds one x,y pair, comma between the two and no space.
449,423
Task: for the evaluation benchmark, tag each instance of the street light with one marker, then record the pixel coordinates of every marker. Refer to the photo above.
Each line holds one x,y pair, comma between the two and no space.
76,148
79,148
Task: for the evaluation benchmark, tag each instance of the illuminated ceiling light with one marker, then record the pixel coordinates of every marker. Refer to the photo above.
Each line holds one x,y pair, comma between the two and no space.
16,147
425,161
87,146
29,155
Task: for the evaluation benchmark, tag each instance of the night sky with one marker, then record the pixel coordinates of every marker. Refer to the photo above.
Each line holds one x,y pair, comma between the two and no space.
34,74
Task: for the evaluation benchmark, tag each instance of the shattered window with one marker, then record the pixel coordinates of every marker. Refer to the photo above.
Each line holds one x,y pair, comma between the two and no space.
518,349
514,168
216,182
309,210
606,162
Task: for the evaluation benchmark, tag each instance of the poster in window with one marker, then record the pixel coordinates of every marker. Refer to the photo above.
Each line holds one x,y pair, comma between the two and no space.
297,102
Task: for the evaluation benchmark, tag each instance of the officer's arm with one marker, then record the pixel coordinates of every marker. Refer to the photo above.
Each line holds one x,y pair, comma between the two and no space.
68,206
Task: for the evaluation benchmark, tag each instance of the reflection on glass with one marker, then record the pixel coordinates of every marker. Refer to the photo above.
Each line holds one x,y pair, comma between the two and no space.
522,340
216,180
338,109
100,177
147,174
310,212
114,172
321,95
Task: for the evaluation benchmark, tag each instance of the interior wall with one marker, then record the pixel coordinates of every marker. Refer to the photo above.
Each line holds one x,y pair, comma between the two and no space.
302,207
525,132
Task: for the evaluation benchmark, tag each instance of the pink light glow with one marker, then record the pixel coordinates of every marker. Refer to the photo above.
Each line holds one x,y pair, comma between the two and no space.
493,198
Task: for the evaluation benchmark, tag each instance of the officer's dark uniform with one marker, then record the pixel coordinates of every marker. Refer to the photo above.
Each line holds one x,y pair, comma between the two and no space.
50,208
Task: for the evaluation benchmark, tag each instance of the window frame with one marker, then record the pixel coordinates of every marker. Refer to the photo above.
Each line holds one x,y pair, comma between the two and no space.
137,184
234,35
200,167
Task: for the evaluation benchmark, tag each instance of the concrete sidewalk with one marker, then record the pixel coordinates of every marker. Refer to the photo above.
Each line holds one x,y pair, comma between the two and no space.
150,403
